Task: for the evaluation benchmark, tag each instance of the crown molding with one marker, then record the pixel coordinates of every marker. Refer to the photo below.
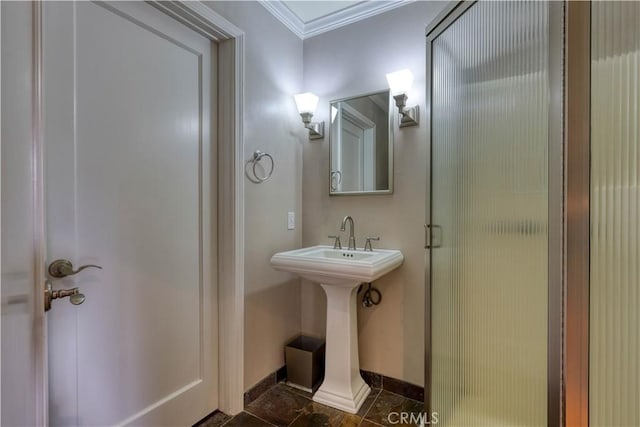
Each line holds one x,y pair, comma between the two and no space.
285,15
352,14
331,21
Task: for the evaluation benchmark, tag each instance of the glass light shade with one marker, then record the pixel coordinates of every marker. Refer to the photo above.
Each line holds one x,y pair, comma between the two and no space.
306,102
400,81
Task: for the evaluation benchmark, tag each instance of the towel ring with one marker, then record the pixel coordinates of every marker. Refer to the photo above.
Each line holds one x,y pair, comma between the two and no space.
336,179
257,156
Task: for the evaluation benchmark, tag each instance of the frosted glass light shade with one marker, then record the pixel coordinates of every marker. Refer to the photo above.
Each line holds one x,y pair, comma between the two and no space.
400,81
306,102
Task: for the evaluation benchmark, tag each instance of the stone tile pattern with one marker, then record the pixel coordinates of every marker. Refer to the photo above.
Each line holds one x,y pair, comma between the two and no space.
284,406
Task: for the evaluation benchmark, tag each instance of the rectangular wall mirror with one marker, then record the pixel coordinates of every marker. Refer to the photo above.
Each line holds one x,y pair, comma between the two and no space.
361,145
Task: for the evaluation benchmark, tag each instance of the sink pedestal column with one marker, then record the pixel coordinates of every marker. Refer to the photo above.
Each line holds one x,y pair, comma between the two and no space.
343,387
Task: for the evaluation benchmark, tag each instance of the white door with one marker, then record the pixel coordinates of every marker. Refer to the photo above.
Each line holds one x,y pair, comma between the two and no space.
352,156
356,155
129,107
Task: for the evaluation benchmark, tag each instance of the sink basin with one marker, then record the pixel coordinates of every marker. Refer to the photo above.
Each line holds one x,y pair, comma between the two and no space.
339,272
340,267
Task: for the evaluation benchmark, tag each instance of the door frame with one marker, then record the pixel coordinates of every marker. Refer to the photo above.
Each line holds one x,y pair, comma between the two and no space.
368,128
577,229
556,255
230,219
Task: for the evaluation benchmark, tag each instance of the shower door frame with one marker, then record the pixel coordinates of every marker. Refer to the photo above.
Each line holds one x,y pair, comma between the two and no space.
577,75
556,206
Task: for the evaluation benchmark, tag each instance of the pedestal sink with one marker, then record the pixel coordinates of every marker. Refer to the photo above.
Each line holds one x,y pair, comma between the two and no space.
339,272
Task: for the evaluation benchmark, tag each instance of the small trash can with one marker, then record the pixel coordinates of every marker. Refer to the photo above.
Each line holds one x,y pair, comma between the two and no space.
304,357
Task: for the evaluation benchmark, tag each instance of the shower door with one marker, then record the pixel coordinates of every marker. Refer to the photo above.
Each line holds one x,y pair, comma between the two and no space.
488,270
614,285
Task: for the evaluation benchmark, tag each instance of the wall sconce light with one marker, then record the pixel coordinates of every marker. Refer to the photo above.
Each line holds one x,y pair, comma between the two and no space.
307,103
399,84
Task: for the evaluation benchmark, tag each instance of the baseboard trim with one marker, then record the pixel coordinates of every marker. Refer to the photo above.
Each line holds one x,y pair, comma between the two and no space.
373,379
393,385
215,418
265,384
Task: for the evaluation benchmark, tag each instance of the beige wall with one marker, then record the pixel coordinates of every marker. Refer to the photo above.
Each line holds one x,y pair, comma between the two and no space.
350,61
343,62
273,73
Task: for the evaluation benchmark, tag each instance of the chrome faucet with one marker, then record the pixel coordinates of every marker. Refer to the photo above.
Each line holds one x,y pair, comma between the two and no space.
352,239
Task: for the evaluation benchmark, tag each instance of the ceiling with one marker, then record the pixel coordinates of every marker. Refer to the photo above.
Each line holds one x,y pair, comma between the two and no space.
308,18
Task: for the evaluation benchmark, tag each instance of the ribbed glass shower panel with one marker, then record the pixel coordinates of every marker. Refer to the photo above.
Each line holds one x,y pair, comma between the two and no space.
489,198
614,362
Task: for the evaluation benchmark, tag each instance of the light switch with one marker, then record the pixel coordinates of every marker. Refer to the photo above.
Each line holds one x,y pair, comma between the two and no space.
291,221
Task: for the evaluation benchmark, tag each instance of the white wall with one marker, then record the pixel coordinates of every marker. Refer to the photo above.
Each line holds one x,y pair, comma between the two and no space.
273,73
350,61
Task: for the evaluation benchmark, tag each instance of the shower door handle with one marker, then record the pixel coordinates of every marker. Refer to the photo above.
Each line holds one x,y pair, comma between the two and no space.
433,236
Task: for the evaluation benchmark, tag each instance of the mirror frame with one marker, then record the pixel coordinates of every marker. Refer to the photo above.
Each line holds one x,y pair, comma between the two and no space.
390,139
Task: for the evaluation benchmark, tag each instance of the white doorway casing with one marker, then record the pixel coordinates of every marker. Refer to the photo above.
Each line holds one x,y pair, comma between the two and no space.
231,296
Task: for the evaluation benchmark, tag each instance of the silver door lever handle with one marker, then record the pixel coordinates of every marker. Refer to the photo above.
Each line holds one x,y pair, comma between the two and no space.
75,297
62,268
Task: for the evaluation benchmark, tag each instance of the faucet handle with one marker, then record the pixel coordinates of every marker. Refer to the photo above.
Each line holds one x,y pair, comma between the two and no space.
367,245
336,242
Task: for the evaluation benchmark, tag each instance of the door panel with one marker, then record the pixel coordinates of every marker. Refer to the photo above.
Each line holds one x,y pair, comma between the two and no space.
129,187
614,284
489,212
352,154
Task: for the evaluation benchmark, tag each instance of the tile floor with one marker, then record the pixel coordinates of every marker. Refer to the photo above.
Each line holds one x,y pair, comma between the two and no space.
284,406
